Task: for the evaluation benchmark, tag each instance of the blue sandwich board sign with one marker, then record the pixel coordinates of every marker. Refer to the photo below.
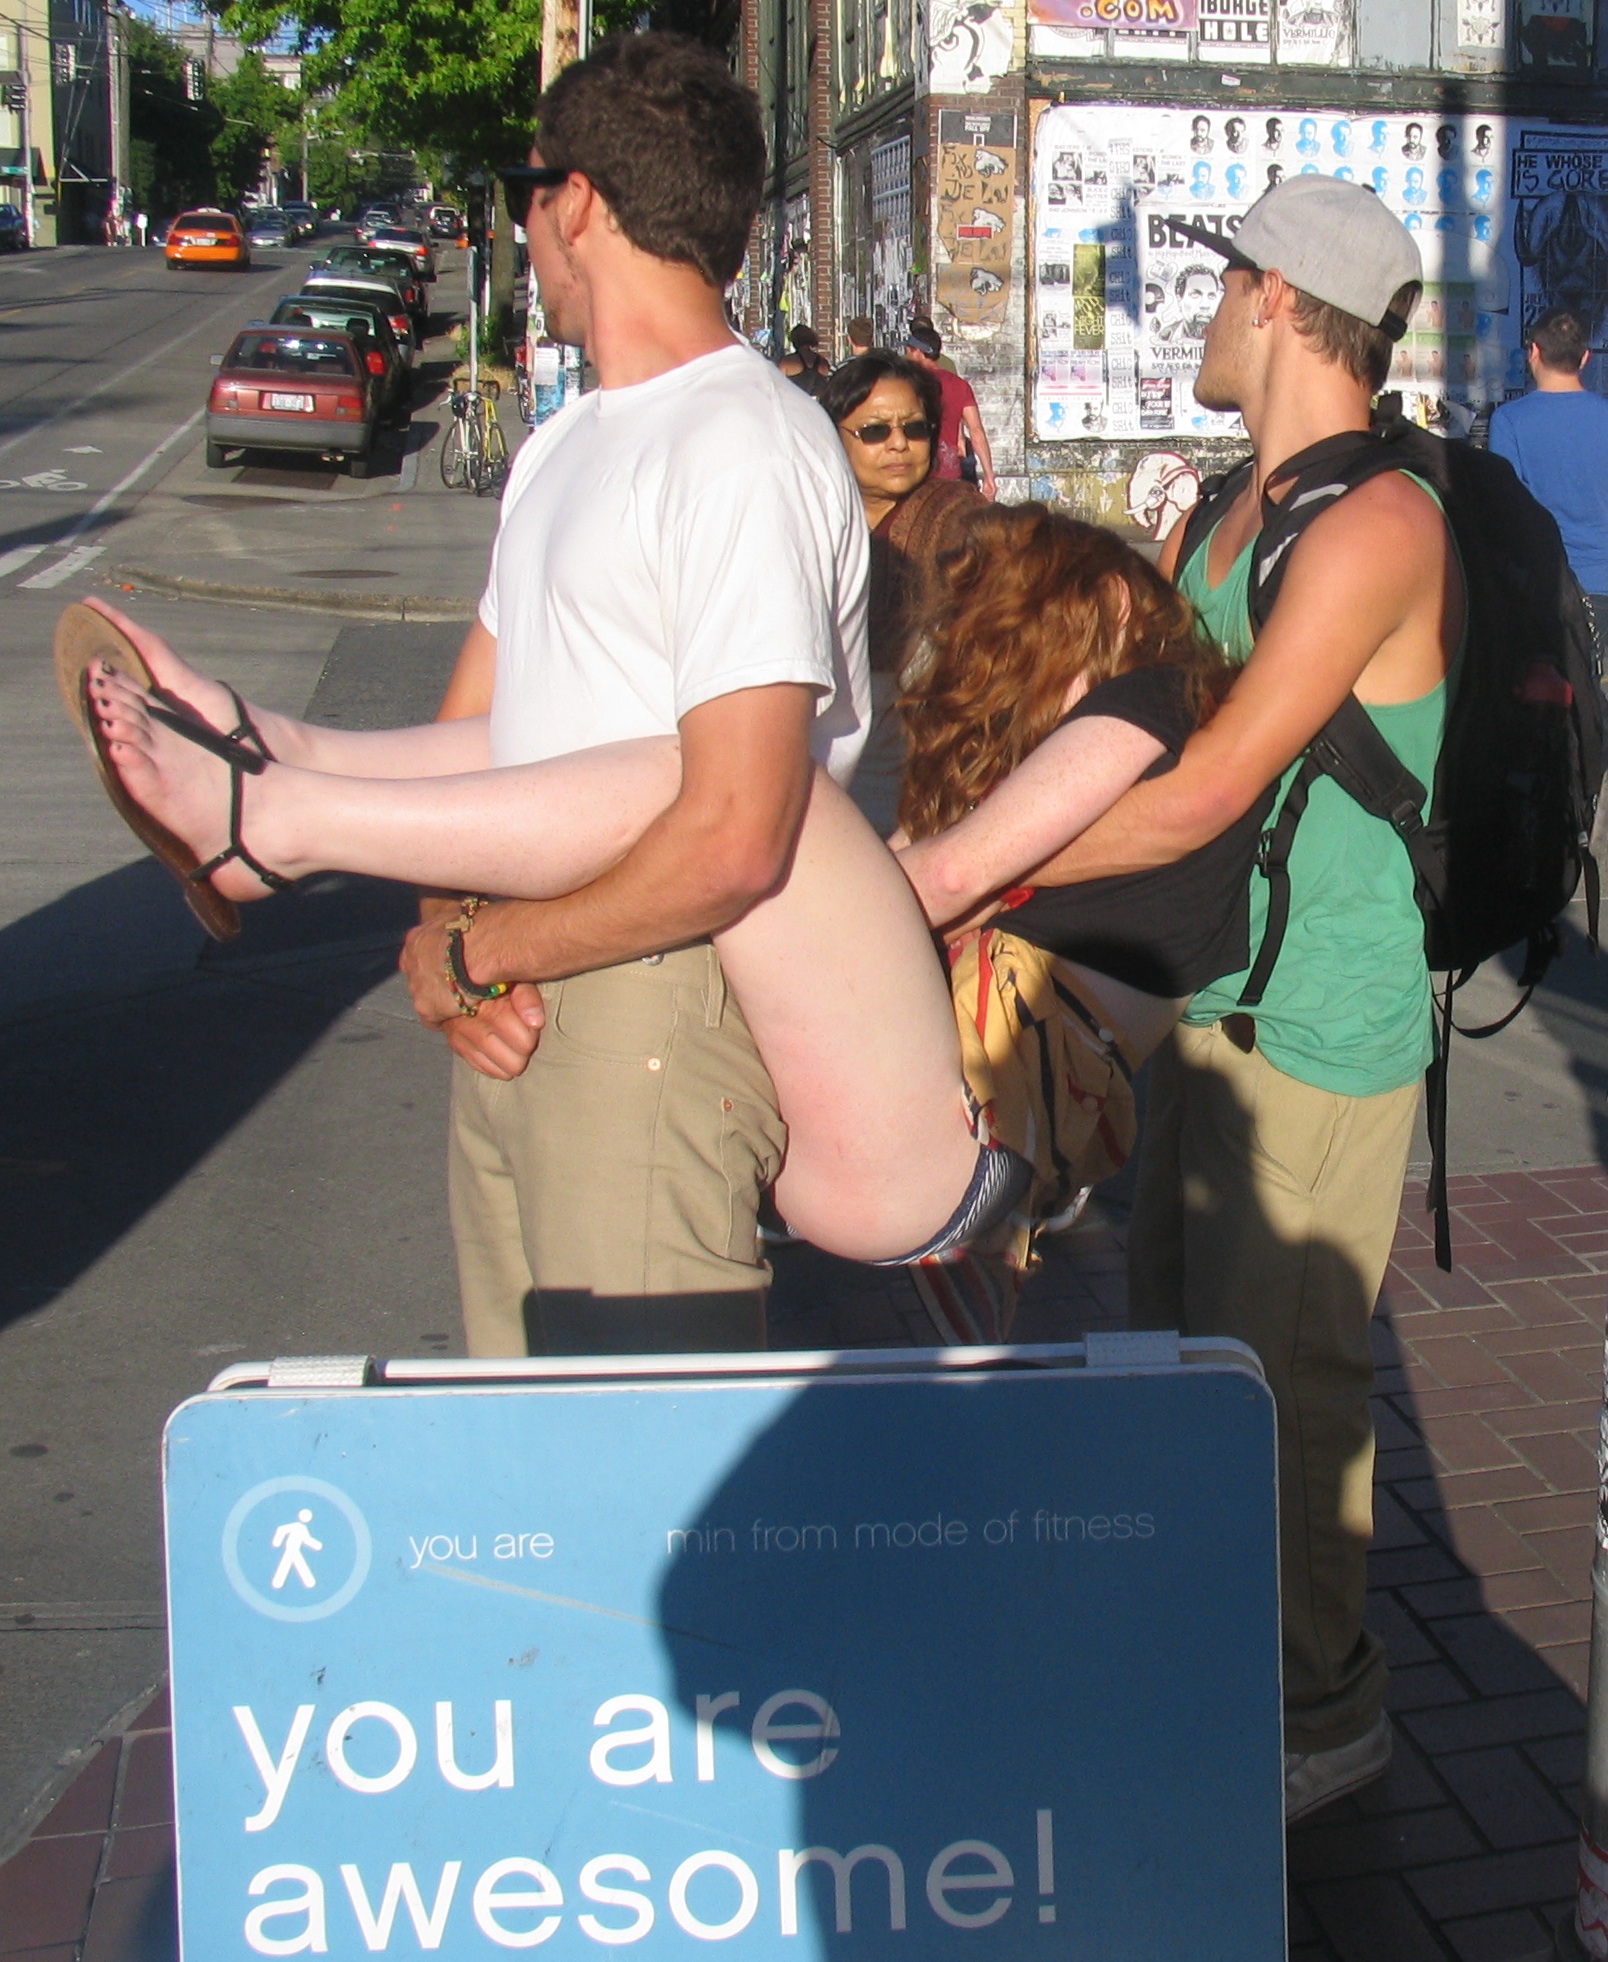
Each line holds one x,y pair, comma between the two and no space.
954,1655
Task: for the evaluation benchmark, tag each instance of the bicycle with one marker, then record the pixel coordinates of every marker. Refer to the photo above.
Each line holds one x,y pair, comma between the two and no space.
474,453
524,390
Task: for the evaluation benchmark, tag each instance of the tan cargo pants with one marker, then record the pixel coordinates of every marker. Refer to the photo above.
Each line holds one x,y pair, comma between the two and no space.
605,1201
1266,1210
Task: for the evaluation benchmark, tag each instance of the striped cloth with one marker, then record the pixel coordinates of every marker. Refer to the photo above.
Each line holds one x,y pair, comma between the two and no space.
1048,1082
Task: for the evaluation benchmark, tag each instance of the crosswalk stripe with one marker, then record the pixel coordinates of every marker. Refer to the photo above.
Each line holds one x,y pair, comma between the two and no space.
14,561
64,568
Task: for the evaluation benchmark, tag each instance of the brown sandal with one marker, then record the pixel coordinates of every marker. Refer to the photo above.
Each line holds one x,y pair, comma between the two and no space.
83,637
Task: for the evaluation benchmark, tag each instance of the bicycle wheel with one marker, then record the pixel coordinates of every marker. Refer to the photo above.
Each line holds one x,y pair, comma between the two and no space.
493,456
474,451
454,456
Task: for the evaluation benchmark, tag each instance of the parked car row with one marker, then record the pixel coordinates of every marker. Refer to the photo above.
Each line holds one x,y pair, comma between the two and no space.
13,229
333,362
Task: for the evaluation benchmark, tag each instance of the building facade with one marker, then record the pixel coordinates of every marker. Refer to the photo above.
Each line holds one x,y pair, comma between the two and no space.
25,70
1009,167
67,57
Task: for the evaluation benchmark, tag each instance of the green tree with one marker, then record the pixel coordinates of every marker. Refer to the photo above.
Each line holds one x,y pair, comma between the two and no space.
170,137
255,113
454,75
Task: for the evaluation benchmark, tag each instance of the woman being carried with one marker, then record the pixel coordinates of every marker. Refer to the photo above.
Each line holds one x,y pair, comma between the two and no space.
889,1157
1039,627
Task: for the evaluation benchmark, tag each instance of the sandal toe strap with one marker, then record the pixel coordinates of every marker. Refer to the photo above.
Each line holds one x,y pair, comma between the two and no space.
229,748
245,730
243,763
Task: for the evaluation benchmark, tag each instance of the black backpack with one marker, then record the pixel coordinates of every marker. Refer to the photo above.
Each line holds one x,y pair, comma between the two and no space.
1507,839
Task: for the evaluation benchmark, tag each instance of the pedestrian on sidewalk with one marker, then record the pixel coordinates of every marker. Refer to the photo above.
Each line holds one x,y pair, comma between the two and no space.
860,333
924,322
1276,1144
887,411
1557,440
806,367
963,450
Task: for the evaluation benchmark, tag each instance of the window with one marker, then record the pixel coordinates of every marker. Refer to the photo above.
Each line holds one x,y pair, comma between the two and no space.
302,355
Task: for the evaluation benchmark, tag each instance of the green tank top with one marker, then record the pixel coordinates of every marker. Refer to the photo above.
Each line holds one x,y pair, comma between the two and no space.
1348,1005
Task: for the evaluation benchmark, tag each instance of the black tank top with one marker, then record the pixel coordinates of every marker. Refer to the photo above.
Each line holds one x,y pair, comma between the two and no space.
1172,929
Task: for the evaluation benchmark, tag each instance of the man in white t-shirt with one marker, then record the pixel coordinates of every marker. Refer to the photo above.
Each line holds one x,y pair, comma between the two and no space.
681,551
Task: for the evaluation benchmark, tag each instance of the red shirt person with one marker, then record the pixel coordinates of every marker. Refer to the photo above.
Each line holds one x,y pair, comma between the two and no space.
960,412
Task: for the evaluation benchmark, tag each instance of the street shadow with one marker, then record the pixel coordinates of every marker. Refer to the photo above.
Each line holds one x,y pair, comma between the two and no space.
107,1105
1572,1005
130,1046
958,1711
1488,1735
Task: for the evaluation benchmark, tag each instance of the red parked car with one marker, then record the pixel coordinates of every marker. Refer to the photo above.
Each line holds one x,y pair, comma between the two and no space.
294,388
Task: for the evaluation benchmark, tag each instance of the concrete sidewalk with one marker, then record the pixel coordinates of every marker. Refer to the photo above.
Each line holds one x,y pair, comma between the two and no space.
290,532
1487,1406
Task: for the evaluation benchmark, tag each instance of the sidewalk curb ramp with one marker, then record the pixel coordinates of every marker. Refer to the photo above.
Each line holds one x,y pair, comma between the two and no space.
419,607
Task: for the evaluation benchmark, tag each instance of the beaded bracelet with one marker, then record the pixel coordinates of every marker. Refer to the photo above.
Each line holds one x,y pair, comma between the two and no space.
468,993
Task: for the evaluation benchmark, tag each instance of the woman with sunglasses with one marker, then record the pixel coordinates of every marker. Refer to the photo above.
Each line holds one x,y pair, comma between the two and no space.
895,1153
886,410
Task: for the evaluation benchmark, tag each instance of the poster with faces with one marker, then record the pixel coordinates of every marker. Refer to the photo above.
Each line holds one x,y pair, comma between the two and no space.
1498,207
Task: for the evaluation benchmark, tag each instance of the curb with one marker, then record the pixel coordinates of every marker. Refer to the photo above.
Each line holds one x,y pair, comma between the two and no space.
418,607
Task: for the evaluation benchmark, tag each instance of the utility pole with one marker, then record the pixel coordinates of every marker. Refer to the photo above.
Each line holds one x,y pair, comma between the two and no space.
25,131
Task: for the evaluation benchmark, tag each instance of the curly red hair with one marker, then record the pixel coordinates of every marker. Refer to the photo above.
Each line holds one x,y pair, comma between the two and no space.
1025,603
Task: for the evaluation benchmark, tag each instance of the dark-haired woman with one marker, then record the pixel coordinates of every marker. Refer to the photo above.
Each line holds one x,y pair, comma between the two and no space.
887,411
891,1155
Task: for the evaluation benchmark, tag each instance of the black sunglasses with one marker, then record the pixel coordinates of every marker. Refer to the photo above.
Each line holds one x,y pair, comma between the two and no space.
520,184
873,433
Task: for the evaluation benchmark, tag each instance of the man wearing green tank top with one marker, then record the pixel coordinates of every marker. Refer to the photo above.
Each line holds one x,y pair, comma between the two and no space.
1276,1144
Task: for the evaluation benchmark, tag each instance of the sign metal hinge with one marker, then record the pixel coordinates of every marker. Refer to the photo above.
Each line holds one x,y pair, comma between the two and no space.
321,1372
1132,1349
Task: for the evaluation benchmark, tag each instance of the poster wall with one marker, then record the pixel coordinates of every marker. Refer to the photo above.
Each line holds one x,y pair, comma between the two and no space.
976,214
1511,216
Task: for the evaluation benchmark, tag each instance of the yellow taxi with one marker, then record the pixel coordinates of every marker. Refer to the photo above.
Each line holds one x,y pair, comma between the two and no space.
206,237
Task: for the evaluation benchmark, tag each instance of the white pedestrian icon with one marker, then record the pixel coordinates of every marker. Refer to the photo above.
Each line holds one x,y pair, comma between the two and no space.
297,1543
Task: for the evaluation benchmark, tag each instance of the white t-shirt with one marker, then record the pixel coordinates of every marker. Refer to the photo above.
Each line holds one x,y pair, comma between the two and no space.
671,542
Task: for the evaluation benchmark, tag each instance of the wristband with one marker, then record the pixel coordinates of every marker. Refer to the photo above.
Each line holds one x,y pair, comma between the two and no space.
467,992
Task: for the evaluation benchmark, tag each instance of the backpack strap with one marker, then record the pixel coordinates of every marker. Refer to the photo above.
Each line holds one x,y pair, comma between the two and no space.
1216,494
1313,479
1351,750
1273,862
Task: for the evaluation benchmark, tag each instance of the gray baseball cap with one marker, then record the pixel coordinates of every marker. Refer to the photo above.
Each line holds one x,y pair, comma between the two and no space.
1328,238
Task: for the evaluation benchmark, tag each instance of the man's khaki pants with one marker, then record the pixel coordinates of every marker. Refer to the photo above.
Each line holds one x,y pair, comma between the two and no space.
1266,1210
605,1201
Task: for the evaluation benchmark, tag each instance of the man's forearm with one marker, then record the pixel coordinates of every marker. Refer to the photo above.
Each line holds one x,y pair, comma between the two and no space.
678,884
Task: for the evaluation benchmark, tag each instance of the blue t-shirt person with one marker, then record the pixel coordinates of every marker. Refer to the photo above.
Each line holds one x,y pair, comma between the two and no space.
1557,440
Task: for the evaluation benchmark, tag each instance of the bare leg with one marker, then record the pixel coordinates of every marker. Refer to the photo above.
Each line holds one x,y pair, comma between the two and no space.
836,973
433,749
849,1004
532,831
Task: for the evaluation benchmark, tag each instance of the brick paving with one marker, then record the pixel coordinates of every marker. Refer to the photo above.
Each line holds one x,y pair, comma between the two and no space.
1487,1406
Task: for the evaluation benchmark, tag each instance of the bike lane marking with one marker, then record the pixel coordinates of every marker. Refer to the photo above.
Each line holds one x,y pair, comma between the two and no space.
64,568
54,574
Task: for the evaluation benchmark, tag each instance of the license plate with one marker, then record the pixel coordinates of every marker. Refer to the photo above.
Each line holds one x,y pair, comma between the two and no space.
302,402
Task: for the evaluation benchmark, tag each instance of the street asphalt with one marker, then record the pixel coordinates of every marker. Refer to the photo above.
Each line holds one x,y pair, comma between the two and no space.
212,1153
